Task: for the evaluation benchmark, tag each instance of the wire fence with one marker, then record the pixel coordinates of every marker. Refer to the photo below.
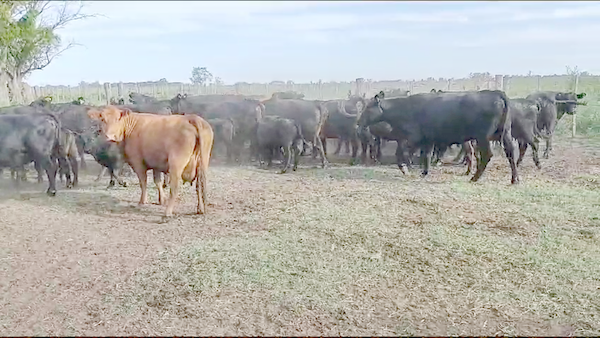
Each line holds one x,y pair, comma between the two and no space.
514,86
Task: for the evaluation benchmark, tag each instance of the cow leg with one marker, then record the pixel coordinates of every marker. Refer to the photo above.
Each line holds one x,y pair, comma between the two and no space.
297,151
50,167
158,180
354,143
81,152
509,150
347,146
522,150
534,150
64,169
113,177
142,173
469,151
485,154
426,159
400,160
338,149
363,155
175,173
287,158
319,145
324,143
75,169
548,146
100,174
378,144
40,172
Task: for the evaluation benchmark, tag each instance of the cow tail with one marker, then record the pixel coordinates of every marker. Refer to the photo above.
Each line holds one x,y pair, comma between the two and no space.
322,119
342,109
57,127
505,119
299,131
200,172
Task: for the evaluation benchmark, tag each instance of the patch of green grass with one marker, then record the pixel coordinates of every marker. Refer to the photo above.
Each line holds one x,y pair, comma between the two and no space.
401,256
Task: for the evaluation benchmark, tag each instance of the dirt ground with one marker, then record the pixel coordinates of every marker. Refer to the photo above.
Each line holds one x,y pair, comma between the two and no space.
360,250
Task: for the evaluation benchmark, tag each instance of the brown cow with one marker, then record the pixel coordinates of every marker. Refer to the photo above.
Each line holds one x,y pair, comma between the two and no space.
179,145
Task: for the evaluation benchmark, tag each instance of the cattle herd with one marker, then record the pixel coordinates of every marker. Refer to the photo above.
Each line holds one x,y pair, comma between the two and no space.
174,138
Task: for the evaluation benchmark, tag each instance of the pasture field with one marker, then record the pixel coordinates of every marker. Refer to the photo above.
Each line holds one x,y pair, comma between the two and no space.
346,251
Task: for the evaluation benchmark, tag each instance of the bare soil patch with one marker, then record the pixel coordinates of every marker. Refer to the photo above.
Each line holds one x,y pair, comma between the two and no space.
360,250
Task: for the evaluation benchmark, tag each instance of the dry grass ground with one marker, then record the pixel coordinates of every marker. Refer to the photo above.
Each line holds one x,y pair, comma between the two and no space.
343,251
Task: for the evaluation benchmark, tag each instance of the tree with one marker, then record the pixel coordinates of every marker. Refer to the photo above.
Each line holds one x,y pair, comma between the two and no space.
219,81
29,39
200,75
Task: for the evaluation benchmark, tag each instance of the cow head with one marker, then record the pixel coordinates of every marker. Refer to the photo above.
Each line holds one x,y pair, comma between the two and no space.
371,112
112,121
567,102
176,103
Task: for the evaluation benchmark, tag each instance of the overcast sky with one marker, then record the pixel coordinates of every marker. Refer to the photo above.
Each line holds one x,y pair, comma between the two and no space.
332,41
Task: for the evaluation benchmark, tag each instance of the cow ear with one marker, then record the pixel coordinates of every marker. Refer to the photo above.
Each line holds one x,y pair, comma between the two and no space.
179,96
184,96
581,96
125,112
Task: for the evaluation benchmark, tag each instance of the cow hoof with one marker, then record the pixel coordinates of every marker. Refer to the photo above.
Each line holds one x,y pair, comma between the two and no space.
165,219
282,172
51,193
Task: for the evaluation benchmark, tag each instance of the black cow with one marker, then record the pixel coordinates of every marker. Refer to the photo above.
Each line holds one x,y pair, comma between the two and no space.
243,113
74,118
67,157
108,154
553,105
395,93
157,107
30,137
523,116
309,115
274,133
184,104
224,132
137,98
424,120
341,124
287,95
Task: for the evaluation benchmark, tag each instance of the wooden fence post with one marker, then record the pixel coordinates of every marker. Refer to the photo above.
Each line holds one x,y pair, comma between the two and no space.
539,83
574,123
120,90
107,91
359,82
499,82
